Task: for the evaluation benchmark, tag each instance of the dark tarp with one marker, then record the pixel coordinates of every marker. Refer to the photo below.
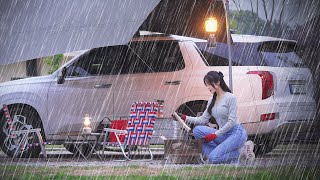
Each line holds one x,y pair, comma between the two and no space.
186,18
31,29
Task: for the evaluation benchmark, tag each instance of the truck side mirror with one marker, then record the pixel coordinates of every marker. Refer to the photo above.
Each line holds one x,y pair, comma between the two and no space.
62,75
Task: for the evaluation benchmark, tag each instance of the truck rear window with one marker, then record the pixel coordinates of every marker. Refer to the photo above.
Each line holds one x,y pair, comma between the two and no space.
279,54
218,56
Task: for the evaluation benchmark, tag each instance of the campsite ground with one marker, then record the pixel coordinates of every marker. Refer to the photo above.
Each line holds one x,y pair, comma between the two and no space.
286,161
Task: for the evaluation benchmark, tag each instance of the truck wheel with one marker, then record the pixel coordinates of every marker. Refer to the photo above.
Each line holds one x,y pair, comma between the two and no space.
24,118
193,109
264,145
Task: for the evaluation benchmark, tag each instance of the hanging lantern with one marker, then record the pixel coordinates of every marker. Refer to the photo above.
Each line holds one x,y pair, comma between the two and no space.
87,121
211,25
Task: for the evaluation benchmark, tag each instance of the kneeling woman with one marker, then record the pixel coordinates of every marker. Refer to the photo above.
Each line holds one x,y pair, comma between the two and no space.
223,145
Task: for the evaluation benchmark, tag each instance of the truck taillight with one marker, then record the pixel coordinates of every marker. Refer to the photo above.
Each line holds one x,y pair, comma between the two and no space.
270,116
267,82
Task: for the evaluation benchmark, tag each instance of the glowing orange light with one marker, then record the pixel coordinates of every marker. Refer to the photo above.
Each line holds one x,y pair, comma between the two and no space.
211,25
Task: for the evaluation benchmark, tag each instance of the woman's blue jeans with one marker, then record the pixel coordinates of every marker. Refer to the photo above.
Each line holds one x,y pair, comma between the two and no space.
225,148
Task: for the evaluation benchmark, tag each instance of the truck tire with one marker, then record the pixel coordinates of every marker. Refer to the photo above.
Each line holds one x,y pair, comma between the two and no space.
27,118
264,145
193,108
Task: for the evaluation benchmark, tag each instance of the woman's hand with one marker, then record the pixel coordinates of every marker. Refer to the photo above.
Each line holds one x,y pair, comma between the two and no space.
209,137
182,116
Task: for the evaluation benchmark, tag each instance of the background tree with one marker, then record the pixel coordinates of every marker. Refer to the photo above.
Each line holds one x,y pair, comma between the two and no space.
276,15
246,22
54,62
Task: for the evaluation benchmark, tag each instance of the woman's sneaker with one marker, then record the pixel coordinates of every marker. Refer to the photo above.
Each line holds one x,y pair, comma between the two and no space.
246,152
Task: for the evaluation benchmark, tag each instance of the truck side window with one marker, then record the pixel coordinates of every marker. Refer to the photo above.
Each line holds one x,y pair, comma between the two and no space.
158,56
79,68
137,57
110,60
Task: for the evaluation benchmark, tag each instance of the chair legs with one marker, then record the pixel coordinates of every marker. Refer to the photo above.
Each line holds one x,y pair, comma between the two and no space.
202,160
122,147
127,157
24,140
151,155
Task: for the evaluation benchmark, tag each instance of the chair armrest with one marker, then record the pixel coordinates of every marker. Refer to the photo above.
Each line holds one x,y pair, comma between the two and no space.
115,131
25,131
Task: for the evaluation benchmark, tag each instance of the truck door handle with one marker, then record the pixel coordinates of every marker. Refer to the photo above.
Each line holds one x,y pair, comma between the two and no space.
172,82
102,86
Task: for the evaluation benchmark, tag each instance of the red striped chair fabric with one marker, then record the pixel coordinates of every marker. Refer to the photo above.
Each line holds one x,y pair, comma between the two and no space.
141,124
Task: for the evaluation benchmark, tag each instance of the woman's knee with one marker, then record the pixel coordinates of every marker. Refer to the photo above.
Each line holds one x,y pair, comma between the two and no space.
197,132
196,129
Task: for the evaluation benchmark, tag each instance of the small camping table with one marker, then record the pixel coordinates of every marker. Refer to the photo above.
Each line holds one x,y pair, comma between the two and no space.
91,139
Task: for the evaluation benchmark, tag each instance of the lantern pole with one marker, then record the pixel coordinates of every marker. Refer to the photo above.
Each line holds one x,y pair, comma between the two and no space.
226,5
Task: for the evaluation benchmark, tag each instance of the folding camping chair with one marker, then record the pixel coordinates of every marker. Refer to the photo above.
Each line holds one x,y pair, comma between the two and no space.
20,137
139,130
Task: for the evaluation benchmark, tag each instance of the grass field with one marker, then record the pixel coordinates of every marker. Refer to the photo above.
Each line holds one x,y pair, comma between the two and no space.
141,172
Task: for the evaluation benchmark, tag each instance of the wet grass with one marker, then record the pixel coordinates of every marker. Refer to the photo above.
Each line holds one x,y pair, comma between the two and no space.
142,172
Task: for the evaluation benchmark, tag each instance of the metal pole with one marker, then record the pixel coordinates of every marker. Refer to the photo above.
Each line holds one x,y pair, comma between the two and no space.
226,5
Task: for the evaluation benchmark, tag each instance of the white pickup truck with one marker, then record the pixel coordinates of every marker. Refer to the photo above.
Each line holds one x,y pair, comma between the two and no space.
273,87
